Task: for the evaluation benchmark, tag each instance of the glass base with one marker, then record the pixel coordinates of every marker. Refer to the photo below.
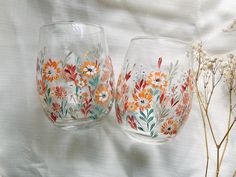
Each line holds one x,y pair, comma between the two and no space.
77,124
141,138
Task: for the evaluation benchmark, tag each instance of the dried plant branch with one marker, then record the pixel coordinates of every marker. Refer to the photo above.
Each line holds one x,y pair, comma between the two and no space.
213,71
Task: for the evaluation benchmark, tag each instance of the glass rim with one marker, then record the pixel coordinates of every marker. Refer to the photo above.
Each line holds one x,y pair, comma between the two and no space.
172,39
99,28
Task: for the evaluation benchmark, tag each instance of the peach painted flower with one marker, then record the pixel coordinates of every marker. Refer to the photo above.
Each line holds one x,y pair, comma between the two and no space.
41,87
56,107
81,83
124,89
102,95
51,70
186,98
158,80
89,68
169,127
59,92
132,106
143,99
179,110
105,76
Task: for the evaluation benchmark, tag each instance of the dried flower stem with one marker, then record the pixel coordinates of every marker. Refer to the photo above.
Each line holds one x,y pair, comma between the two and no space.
212,70
229,121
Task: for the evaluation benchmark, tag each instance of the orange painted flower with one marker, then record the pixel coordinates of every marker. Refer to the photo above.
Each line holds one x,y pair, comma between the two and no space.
143,99
158,80
41,87
89,68
51,70
102,95
132,106
56,107
82,82
59,92
82,96
186,98
169,127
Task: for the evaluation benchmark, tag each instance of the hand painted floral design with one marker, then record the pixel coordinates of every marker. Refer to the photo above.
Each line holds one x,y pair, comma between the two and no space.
75,88
143,99
41,87
89,68
59,92
102,95
153,103
169,127
51,70
158,80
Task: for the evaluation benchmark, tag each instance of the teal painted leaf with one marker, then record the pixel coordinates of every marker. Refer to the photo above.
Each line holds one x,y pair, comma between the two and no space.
152,126
150,112
141,112
150,119
142,118
140,128
91,83
48,91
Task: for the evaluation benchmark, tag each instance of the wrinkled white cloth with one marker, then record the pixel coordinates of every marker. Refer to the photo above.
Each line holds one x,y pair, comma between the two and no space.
31,147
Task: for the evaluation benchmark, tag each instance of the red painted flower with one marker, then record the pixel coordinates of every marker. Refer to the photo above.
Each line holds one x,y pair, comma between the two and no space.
56,107
118,115
70,73
59,92
132,122
53,117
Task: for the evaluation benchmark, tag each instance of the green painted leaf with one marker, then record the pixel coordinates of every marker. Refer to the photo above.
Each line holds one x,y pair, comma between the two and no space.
142,118
49,100
76,90
140,128
150,119
152,126
48,91
91,83
141,112
150,112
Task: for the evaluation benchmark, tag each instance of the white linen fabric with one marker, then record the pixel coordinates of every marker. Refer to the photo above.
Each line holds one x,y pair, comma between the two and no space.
31,147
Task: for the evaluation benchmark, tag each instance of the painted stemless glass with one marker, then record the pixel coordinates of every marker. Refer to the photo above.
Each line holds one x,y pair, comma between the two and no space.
154,89
74,74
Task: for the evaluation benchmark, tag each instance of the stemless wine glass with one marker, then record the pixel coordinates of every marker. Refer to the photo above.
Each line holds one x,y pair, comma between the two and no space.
154,90
74,74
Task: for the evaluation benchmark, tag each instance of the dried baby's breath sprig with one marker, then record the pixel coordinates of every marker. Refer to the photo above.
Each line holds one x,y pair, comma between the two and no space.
210,72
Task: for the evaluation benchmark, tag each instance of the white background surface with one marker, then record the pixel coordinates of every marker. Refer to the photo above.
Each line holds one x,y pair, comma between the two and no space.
31,147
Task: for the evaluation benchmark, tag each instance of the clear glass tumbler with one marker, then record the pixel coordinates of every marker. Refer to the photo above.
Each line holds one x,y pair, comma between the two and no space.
74,74
154,90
